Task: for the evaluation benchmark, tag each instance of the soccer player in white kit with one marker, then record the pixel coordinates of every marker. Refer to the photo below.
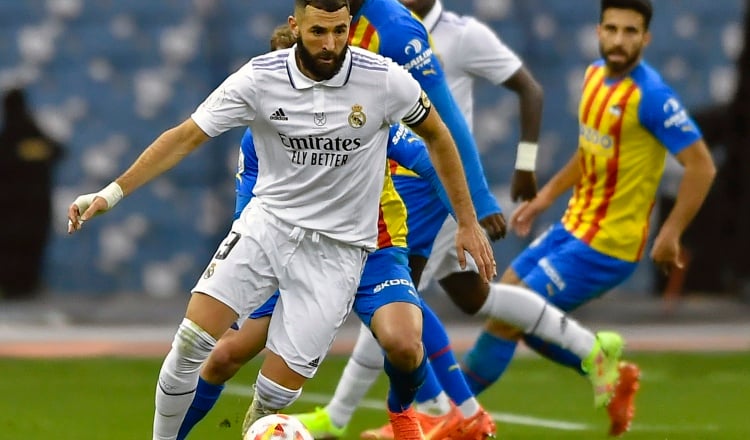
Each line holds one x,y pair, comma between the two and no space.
320,113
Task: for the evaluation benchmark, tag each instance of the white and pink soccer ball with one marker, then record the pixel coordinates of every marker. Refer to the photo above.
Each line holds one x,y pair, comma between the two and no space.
278,427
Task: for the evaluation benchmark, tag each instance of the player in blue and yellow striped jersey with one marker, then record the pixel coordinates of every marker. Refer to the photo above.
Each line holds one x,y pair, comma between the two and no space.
388,28
629,119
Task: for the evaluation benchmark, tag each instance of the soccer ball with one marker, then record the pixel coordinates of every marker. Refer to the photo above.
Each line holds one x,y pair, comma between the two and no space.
278,427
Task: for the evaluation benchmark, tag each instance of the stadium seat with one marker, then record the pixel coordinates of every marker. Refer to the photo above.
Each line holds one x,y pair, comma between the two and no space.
104,48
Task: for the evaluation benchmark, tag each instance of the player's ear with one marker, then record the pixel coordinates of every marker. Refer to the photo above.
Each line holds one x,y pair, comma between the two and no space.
293,26
646,38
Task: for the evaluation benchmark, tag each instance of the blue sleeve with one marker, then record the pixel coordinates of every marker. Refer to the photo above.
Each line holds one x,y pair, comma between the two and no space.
484,202
409,46
410,152
247,173
662,114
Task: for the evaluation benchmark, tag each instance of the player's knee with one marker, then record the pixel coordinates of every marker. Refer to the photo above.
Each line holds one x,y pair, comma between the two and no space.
221,365
404,352
191,341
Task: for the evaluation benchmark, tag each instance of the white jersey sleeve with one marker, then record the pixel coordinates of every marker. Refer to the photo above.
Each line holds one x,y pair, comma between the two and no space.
232,104
486,55
403,96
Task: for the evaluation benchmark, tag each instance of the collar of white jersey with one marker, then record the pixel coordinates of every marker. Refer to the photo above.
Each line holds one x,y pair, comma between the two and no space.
431,19
300,81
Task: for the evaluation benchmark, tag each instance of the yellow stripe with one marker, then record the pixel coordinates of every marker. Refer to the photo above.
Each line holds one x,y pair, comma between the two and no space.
360,33
394,212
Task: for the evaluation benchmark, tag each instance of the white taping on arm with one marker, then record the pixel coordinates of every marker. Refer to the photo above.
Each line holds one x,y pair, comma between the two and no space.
112,193
526,156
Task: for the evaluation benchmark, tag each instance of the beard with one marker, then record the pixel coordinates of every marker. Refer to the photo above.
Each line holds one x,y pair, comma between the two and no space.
619,67
313,64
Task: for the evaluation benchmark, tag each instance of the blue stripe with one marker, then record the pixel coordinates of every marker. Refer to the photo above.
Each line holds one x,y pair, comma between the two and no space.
368,56
369,67
269,62
270,65
368,60
365,62
272,56
265,61
274,67
267,65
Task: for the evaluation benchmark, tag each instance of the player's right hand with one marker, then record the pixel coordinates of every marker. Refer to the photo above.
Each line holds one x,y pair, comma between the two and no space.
494,225
83,208
473,240
523,217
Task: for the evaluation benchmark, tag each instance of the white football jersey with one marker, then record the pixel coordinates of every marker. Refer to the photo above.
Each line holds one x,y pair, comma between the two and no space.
467,49
321,145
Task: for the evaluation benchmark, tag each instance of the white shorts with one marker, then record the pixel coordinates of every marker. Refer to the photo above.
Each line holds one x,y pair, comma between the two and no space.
443,259
317,278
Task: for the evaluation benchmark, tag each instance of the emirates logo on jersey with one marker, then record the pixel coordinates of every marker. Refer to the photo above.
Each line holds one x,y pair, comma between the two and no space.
357,117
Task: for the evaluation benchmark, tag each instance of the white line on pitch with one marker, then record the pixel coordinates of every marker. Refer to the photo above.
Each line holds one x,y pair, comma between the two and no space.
373,404
514,419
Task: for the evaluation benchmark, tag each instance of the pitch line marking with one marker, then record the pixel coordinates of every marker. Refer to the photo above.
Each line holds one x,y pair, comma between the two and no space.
513,419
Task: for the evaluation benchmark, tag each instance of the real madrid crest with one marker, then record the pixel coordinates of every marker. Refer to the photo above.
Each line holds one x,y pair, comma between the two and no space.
209,271
425,100
357,117
319,118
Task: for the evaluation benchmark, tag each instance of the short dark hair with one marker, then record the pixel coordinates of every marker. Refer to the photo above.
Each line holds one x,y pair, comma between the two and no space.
282,37
326,5
642,7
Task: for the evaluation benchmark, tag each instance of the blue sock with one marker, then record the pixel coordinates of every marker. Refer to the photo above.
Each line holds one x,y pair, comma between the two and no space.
431,388
206,395
487,361
554,352
444,364
404,385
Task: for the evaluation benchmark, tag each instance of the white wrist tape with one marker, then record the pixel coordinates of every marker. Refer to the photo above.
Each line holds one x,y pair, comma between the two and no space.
112,193
526,156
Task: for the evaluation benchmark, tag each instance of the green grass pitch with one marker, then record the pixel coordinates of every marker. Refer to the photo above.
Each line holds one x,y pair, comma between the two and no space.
683,396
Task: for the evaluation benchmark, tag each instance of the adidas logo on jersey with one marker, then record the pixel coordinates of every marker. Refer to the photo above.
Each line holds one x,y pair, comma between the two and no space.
314,363
279,115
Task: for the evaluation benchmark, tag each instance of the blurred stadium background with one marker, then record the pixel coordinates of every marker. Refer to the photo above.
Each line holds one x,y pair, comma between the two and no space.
105,77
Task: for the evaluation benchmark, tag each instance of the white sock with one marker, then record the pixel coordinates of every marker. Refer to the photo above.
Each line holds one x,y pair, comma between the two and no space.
525,309
271,395
439,406
469,407
179,377
360,373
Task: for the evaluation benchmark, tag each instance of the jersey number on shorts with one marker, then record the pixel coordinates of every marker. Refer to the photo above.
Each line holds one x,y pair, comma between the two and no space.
227,246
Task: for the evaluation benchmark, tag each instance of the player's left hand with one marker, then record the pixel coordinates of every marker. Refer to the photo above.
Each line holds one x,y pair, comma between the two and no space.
90,205
495,226
473,240
666,252
83,208
523,185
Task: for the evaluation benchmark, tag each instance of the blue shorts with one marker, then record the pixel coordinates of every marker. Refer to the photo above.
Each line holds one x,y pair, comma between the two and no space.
425,213
386,279
566,271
